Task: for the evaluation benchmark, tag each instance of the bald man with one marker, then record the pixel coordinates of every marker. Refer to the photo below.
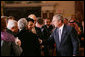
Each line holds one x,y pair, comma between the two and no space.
33,17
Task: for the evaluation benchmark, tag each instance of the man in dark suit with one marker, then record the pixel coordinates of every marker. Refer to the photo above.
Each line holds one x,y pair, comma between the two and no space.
65,37
46,31
47,28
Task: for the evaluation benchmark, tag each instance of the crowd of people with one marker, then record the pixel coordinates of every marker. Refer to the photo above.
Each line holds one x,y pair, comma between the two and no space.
32,36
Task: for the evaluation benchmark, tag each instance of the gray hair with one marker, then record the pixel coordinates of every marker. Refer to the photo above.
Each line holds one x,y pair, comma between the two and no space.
22,23
11,24
3,16
58,17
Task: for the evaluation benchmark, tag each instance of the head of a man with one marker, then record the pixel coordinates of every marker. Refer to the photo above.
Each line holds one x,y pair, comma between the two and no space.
3,23
47,22
65,21
22,23
10,18
57,20
4,17
71,23
30,23
13,26
73,17
33,17
82,23
39,23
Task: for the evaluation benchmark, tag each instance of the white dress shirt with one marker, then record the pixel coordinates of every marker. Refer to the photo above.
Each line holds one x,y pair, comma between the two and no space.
60,30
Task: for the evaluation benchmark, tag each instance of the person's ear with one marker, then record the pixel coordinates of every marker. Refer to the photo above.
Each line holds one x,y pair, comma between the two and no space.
59,21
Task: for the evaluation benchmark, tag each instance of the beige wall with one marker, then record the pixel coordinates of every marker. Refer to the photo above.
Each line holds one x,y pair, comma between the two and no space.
67,7
2,4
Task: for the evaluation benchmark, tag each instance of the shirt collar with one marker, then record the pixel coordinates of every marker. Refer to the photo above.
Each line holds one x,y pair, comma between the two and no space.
61,27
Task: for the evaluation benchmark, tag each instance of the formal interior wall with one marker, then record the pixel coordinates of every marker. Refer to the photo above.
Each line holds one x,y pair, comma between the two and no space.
67,8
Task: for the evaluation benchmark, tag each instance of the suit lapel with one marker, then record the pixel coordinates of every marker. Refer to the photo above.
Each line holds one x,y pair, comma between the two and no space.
57,37
63,34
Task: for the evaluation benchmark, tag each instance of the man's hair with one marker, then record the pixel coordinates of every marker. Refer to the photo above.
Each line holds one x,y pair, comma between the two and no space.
5,17
47,19
3,23
29,19
11,24
40,21
22,23
66,19
59,17
11,17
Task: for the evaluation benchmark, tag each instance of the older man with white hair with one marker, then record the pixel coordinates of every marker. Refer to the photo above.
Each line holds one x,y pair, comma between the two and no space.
22,24
65,37
12,28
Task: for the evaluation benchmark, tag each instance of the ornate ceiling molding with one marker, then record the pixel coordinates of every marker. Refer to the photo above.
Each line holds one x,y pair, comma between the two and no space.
30,5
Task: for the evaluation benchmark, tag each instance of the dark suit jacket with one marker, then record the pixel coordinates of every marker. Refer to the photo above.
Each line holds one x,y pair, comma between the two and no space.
30,43
9,48
39,33
46,31
69,41
10,32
